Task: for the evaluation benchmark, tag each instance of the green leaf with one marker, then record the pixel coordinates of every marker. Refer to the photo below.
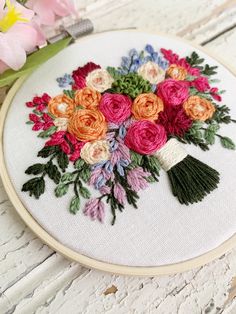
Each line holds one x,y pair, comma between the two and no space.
61,189
85,174
35,169
136,158
227,142
29,122
84,192
62,160
33,61
35,186
67,177
154,163
69,92
79,164
53,172
74,205
47,151
209,136
150,179
113,72
48,132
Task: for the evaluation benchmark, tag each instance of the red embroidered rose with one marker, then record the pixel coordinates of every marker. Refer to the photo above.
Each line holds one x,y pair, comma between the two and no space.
145,137
80,74
201,84
175,120
116,108
173,92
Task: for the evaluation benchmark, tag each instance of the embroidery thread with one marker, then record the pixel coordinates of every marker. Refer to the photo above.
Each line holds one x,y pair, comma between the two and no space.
119,126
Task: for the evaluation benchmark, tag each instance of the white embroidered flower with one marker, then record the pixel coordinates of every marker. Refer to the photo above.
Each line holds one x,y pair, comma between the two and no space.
99,80
151,72
61,124
95,152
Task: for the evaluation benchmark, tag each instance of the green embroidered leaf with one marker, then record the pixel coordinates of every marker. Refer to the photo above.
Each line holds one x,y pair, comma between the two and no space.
113,72
47,151
61,189
74,205
62,160
48,132
29,122
69,92
33,61
85,174
136,158
67,177
35,169
150,179
221,114
79,164
35,186
38,113
208,70
194,59
154,163
227,142
209,136
53,172
84,192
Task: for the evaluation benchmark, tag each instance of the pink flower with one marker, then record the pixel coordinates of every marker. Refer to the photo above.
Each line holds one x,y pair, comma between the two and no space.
214,93
17,35
40,122
136,179
95,209
201,84
116,108
79,75
175,120
119,193
145,137
48,10
173,92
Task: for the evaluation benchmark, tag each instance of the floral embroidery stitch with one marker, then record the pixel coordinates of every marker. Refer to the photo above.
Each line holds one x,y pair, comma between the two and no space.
118,126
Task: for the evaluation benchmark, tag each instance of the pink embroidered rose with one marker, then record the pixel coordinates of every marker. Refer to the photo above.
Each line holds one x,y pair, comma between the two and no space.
145,137
116,108
201,84
173,92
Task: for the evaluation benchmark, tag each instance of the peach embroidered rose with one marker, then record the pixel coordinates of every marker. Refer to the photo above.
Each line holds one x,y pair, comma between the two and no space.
99,79
61,124
88,98
61,106
147,106
198,108
177,72
151,72
87,125
95,152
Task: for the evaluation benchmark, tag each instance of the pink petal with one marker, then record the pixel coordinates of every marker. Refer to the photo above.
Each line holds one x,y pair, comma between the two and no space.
3,67
11,52
64,7
43,9
26,35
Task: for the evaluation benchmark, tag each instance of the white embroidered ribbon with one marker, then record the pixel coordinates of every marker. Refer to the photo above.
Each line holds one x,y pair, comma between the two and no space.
171,154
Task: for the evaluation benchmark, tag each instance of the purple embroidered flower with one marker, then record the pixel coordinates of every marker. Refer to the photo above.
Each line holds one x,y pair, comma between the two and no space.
136,179
105,190
95,209
119,193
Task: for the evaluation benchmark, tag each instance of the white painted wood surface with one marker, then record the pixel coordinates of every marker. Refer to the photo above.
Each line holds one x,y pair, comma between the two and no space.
34,279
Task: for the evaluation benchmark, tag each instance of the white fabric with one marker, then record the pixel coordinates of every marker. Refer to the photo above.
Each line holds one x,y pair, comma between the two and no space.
161,231
171,154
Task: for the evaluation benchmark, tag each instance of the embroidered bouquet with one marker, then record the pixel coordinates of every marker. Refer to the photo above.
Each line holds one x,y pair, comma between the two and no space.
113,129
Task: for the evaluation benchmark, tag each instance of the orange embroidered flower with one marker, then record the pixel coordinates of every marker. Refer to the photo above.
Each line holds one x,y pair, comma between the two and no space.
87,125
61,106
147,106
198,108
88,98
177,72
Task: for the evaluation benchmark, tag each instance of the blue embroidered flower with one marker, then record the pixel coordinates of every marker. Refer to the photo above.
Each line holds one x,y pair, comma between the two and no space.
65,80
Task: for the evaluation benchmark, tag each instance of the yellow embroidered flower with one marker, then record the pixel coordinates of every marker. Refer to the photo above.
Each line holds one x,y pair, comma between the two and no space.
61,106
151,72
147,106
177,72
87,125
88,98
95,152
198,108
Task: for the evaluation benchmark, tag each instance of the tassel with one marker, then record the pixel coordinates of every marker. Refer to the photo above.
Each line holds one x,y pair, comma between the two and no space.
191,180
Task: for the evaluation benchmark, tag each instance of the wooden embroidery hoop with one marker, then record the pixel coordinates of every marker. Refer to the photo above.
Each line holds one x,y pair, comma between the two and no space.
82,259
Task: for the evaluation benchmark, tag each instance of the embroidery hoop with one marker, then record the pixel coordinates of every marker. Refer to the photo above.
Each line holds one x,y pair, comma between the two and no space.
73,255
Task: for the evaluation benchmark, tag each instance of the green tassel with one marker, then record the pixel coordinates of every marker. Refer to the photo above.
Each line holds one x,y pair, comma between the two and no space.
191,180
